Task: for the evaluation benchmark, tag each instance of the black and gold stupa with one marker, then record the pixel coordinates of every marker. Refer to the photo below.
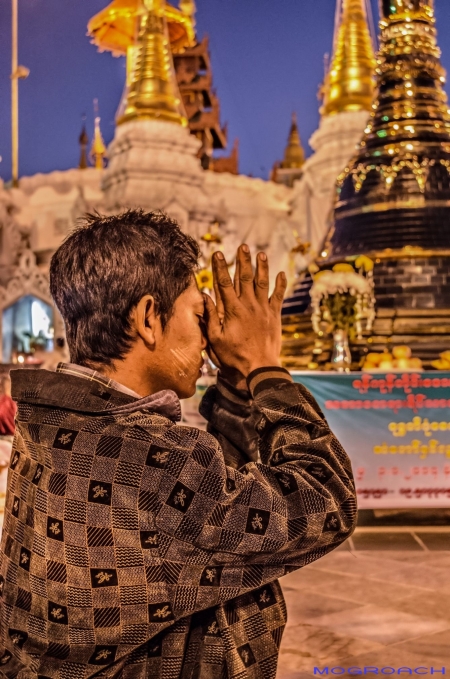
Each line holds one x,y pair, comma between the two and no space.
393,200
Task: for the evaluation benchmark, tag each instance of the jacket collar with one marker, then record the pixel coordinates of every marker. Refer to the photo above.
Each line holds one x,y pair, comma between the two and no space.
94,376
80,393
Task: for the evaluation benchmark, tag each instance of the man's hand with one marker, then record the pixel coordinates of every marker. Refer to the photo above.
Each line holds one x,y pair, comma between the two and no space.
244,329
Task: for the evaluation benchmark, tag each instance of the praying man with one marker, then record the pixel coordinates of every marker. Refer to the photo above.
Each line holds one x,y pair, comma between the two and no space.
135,547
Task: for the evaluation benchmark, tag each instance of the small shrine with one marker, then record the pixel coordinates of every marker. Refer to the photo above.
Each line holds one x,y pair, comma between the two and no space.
290,168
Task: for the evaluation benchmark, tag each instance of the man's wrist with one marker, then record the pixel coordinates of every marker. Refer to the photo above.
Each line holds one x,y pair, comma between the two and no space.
263,364
264,378
238,378
238,395
234,377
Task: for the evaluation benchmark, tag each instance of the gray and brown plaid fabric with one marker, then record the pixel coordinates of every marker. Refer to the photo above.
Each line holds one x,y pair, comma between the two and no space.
134,547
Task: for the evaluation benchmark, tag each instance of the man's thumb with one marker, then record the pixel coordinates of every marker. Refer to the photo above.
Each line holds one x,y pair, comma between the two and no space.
211,316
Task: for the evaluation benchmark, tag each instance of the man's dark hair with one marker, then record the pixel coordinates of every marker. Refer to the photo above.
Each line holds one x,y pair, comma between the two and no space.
103,269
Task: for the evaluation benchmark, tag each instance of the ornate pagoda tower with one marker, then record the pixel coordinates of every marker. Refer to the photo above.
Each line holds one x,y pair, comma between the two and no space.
290,168
347,96
195,80
116,29
393,199
152,147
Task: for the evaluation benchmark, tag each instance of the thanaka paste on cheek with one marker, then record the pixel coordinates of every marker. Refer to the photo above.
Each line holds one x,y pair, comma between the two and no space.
182,361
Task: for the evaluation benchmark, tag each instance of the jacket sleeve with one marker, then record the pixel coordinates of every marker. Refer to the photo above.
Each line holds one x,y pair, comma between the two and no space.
238,529
232,420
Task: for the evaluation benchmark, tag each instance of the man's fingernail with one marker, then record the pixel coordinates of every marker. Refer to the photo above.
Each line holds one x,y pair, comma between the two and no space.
219,255
246,248
263,256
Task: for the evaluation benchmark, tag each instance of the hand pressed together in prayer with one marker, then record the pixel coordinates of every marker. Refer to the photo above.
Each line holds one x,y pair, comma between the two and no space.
244,326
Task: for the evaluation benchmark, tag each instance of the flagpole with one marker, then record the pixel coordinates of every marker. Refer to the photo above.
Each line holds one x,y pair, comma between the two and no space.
15,96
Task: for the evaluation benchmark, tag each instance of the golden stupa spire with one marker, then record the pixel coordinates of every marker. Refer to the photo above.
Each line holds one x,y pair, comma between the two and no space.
153,90
115,28
294,155
98,148
349,84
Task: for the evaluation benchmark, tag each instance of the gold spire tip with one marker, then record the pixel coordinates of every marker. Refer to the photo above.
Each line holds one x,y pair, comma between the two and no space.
153,89
98,148
349,84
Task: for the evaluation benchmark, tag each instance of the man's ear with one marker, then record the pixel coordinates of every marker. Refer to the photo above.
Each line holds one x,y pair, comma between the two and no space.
146,320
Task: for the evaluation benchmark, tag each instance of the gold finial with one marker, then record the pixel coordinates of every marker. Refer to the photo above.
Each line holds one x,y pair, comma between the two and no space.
115,28
407,9
98,148
349,84
153,90
189,9
294,156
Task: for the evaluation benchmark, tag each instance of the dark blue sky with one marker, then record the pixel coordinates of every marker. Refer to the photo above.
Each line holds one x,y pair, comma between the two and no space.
267,57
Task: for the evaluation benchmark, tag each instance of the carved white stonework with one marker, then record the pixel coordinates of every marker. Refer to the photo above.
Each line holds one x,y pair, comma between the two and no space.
154,165
252,211
26,279
334,143
50,204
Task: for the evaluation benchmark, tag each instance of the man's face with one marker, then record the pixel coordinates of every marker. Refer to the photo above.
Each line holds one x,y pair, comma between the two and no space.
180,345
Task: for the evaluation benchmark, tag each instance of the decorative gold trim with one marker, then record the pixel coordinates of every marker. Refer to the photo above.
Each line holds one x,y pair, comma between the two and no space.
410,251
408,204
399,253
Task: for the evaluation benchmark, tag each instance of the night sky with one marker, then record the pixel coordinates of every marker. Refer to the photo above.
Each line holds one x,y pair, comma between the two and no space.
267,58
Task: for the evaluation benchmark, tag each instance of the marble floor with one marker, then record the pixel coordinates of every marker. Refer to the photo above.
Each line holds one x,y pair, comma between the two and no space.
380,600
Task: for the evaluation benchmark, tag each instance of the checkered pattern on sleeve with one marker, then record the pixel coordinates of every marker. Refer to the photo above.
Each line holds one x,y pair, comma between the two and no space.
130,549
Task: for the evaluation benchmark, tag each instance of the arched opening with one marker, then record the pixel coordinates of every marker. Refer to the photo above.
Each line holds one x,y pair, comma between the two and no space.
27,330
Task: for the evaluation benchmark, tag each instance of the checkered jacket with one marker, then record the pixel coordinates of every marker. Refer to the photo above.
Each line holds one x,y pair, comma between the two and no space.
134,547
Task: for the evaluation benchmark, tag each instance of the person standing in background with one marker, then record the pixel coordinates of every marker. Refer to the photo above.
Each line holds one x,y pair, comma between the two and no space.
7,409
7,426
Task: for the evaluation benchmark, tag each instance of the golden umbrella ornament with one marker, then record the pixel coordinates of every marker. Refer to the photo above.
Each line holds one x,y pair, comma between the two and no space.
114,29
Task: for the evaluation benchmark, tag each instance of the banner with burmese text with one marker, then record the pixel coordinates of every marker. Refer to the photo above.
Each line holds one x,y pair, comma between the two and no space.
396,431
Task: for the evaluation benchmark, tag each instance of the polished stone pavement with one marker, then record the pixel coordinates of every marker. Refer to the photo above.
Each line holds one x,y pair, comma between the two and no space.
382,599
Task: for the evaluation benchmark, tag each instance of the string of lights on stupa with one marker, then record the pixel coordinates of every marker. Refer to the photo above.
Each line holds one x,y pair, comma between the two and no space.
411,110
